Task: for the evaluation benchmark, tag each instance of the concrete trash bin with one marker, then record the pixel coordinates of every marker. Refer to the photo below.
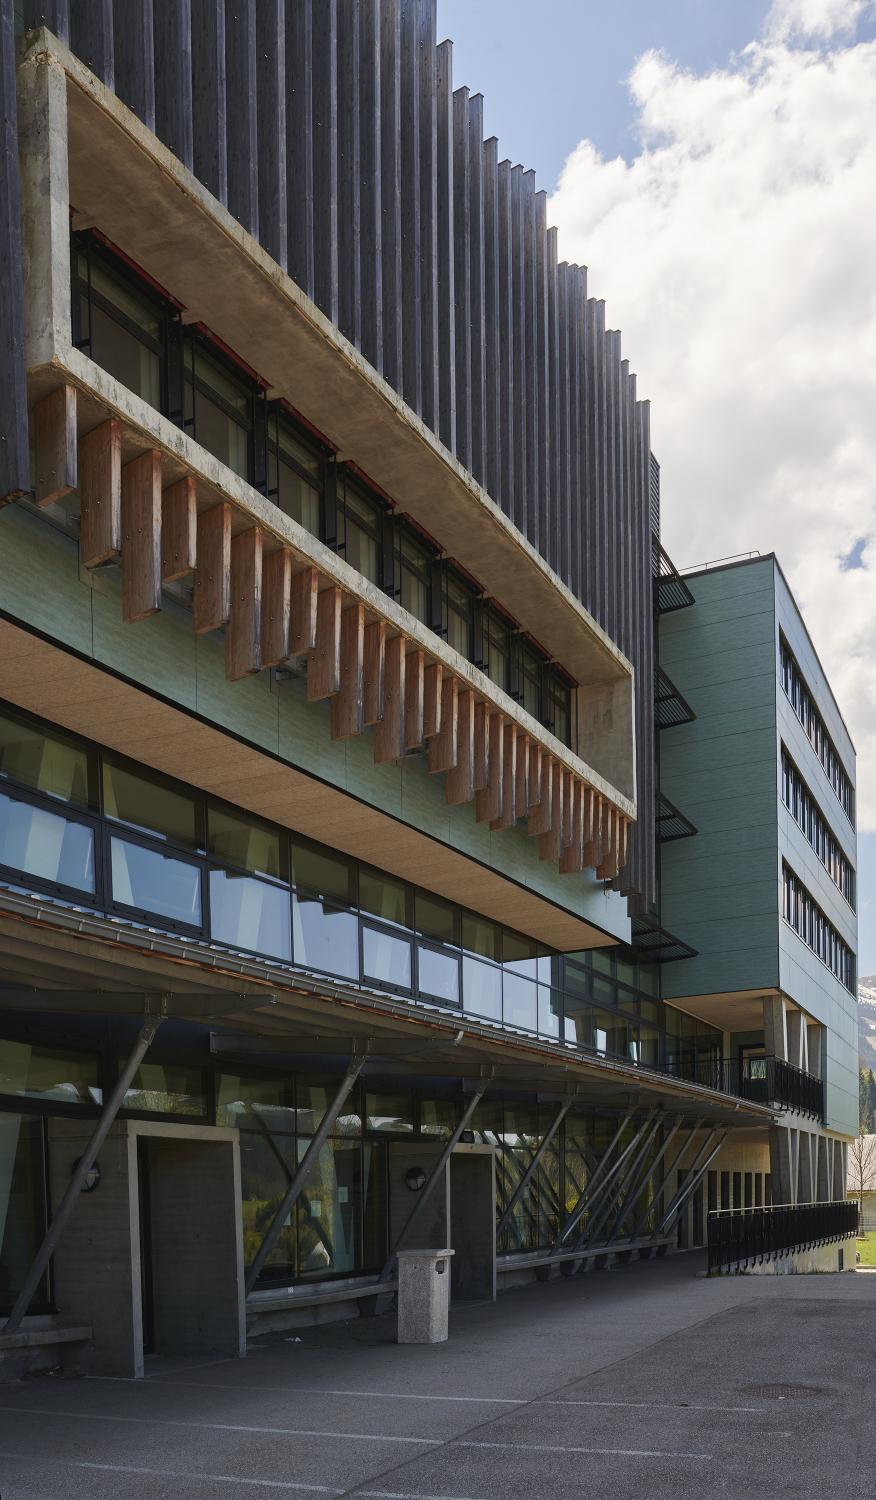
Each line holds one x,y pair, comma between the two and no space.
423,1296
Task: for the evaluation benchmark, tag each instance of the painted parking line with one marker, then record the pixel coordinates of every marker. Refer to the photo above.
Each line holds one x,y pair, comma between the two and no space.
314,1390
558,1448
188,1474
646,1405
88,1416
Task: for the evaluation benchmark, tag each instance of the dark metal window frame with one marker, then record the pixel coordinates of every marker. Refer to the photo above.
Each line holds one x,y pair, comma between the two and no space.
825,845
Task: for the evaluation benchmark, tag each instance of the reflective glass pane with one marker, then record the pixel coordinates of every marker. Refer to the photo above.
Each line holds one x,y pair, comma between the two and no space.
46,845
481,937
296,497
238,840
550,1010
119,351
44,1073
577,1020
220,434
393,1112
386,958
22,1202
383,897
482,989
322,872
155,883
602,960
263,1183
438,974
325,938
327,1211
314,1097
439,1117
250,913
46,762
520,1005
375,1193
436,918
146,802
167,1089
519,953
251,1101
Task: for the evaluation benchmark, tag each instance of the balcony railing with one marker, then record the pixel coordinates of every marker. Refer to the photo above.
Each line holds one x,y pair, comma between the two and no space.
762,1080
741,1237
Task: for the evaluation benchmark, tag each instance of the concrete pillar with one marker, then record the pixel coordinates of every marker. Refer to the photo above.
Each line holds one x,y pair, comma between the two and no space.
823,1169
783,1163
775,1035
814,1042
795,1027
45,208
805,1167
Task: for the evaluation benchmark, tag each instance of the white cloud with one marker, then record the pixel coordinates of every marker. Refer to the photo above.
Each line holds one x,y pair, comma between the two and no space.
736,251
818,20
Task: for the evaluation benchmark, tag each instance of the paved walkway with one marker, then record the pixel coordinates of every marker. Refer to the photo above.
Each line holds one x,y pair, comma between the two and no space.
641,1381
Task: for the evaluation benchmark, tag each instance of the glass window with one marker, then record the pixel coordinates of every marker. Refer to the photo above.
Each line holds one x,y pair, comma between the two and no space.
550,1011
438,974
253,1100
322,872
601,959
384,897
519,953
528,667
314,1096
151,804
481,937
577,1020
520,1006
22,1203
46,762
413,564
247,843
496,660
325,938
328,1209
439,1117
294,477
436,919
46,845
218,409
263,1183
482,989
44,1073
359,530
390,1112
386,958
249,913
458,614
155,883
122,327
375,1204
167,1089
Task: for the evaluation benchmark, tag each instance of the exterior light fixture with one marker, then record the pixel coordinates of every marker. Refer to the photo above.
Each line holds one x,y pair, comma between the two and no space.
415,1179
92,1178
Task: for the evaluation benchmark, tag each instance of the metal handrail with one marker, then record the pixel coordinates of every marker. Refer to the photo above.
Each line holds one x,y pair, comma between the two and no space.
738,1237
761,1080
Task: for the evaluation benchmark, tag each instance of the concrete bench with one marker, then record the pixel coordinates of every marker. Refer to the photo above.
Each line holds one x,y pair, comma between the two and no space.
365,1294
34,1338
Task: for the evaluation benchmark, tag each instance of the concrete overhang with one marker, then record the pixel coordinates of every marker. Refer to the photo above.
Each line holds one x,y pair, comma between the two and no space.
124,180
730,1010
41,677
46,947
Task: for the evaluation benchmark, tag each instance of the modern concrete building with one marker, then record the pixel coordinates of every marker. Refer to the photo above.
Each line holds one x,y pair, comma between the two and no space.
330,579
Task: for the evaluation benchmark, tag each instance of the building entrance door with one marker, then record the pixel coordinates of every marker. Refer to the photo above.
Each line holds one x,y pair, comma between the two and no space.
189,1250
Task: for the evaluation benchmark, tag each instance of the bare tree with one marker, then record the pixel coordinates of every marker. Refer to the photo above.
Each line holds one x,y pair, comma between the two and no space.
862,1166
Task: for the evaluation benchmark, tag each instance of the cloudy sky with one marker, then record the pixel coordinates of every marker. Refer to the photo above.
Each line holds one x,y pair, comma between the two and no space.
713,163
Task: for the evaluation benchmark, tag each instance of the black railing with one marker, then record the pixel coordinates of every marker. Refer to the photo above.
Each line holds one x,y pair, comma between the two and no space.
762,1080
740,1237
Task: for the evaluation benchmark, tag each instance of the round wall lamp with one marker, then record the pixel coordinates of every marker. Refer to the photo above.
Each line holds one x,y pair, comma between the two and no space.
415,1179
92,1176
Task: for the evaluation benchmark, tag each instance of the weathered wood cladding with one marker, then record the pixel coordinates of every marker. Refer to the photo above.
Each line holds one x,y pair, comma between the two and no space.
332,131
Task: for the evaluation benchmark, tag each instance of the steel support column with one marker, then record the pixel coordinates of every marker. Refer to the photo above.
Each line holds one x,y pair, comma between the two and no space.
599,1180
293,1191
644,1176
80,1173
616,1197
531,1170
666,1178
690,1184
434,1177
